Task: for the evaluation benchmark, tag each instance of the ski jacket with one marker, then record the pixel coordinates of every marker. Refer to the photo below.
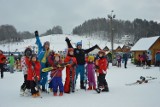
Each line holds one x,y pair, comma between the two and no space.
11,60
125,56
41,50
24,64
102,65
72,63
57,71
2,59
33,70
80,53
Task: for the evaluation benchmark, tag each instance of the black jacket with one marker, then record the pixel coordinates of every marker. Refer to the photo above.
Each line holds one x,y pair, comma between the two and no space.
80,53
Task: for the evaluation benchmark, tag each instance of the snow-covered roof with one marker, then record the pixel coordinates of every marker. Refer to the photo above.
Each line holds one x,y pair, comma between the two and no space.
144,44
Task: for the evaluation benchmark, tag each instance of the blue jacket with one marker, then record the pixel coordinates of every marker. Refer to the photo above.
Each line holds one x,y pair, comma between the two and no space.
41,49
158,57
125,57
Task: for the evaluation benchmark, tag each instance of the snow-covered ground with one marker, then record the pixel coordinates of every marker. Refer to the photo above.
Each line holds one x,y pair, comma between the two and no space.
58,43
120,95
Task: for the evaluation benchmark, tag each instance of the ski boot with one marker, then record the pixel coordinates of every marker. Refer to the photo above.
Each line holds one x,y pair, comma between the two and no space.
55,94
89,88
106,89
61,94
82,85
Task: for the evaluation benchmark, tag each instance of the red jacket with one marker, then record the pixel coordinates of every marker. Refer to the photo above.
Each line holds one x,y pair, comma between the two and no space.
71,60
102,65
57,71
31,71
2,59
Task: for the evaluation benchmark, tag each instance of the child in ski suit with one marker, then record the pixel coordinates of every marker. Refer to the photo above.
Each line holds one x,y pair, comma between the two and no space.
56,75
34,72
70,69
2,63
119,60
91,73
24,61
43,53
101,66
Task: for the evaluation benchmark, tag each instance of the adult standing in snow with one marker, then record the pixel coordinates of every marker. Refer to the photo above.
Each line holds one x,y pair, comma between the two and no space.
43,53
79,53
2,63
125,59
11,63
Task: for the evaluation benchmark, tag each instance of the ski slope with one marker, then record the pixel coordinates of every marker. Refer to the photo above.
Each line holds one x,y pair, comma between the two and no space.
120,95
57,43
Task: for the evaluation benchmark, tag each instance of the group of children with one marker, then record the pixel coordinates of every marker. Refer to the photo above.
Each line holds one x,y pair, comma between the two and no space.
32,66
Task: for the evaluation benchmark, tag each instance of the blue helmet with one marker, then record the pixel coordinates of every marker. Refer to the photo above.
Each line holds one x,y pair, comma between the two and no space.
79,43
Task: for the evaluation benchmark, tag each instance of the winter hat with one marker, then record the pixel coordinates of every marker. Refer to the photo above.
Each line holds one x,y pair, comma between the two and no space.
102,51
56,54
47,43
28,52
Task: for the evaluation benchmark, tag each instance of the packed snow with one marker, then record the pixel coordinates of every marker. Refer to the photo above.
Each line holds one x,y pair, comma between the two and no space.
120,95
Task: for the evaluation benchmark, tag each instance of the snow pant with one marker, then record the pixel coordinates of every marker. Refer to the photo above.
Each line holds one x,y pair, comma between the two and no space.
26,84
57,82
149,63
102,81
91,77
2,70
67,81
44,77
11,68
119,63
33,87
125,64
80,69
144,62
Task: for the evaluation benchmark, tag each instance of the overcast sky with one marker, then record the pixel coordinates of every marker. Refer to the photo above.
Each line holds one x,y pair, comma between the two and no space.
31,15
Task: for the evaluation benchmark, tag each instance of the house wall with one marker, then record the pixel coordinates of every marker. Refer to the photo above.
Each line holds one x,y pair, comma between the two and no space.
154,48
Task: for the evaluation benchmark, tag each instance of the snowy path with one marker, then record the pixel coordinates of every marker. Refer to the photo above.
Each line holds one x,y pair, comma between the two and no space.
144,95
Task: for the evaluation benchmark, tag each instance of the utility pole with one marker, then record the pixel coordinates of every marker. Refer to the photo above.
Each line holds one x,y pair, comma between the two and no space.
111,17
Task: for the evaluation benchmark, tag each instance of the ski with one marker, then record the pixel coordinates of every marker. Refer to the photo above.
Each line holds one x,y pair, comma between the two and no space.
48,69
142,80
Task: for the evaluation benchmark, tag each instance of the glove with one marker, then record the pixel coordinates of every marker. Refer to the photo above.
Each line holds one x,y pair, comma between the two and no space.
105,72
36,33
67,39
97,67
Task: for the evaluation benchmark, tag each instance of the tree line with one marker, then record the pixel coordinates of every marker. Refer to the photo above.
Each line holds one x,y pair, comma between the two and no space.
8,33
102,27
